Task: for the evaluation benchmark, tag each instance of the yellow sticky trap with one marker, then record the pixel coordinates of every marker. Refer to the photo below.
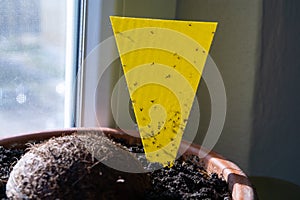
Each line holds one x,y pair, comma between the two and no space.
162,61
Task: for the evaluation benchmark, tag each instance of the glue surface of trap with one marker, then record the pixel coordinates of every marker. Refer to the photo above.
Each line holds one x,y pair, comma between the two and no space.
162,62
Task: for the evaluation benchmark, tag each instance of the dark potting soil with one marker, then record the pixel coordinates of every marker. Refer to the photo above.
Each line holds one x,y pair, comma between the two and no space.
184,180
8,157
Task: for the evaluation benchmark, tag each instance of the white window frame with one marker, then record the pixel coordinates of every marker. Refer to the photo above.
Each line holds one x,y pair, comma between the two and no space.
74,20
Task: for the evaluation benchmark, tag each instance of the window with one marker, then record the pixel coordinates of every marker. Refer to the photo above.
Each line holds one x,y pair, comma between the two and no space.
38,41
41,44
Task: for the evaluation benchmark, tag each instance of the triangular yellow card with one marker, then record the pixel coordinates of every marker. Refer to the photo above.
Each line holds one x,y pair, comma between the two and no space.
162,61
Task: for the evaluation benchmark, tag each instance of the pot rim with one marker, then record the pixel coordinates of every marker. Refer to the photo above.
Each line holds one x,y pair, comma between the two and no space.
238,182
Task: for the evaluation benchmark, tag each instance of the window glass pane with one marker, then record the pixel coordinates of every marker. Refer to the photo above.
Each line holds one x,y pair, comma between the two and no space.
32,65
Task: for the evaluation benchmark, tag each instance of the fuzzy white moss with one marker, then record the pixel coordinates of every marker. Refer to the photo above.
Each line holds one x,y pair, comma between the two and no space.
54,169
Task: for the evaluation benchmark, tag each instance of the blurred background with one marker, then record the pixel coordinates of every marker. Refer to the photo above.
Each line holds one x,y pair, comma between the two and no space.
32,65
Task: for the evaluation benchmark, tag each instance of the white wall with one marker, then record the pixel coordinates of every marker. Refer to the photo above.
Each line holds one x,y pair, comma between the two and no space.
256,48
275,138
236,52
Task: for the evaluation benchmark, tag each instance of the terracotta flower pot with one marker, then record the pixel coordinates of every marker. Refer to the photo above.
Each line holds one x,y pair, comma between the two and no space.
239,184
